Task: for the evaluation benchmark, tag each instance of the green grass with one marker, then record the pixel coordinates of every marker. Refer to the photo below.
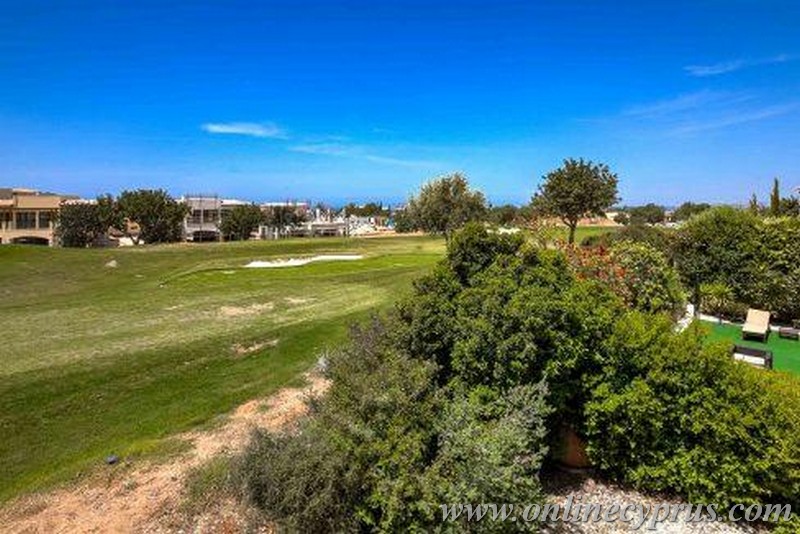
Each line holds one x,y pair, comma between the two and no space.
97,360
785,352
582,232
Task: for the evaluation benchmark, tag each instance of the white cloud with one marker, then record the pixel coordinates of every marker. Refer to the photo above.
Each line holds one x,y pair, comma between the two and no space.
325,149
402,162
725,67
685,103
251,129
358,152
701,111
733,119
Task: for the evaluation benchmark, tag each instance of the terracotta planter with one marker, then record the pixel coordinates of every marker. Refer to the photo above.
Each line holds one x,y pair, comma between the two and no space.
573,450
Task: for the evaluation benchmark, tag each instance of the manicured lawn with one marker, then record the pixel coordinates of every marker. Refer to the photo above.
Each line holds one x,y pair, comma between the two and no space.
96,360
785,352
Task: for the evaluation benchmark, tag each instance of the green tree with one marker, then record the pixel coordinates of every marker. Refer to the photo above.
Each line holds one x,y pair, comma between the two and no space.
79,224
577,189
775,199
109,212
240,222
647,214
504,215
789,207
721,244
370,209
689,209
159,216
754,206
446,204
402,221
283,216
622,218
498,312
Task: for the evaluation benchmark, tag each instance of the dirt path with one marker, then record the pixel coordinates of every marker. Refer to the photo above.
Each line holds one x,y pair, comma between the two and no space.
147,498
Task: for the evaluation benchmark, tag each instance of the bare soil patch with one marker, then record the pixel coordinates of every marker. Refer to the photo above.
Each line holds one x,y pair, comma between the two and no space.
298,301
147,497
239,311
240,350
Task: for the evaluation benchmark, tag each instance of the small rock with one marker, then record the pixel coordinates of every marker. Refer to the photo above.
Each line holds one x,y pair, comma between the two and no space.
112,459
112,264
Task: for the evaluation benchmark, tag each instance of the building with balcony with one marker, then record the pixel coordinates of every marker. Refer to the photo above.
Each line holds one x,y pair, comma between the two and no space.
28,216
205,215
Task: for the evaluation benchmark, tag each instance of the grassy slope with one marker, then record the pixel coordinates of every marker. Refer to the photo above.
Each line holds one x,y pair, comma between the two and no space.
785,352
97,360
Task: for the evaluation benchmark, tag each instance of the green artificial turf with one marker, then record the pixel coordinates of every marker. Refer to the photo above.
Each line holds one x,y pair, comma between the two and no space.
785,352
98,360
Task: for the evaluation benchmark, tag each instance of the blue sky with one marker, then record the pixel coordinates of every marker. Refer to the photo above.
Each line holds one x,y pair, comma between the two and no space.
365,100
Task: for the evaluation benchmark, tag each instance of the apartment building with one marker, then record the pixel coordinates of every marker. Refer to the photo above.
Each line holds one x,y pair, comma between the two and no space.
28,216
205,215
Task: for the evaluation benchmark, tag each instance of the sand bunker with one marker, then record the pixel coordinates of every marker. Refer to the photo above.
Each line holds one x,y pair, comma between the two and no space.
296,262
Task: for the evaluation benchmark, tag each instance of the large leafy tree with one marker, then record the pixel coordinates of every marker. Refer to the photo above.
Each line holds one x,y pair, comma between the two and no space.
445,205
283,216
647,214
575,190
159,216
504,215
719,245
240,222
757,259
79,225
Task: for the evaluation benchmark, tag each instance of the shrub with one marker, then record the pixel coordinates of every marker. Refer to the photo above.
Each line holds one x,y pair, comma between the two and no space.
508,318
718,299
387,446
474,248
675,415
651,284
636,272
446,402
757,259
658,238
503,441
358,461
687,210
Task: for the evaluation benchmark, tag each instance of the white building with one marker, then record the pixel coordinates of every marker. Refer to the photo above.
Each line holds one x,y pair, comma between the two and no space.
205,216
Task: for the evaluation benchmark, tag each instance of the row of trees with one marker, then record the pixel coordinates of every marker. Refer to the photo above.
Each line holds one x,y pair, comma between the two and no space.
153,216
240,222
576,190
779,206
654,214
